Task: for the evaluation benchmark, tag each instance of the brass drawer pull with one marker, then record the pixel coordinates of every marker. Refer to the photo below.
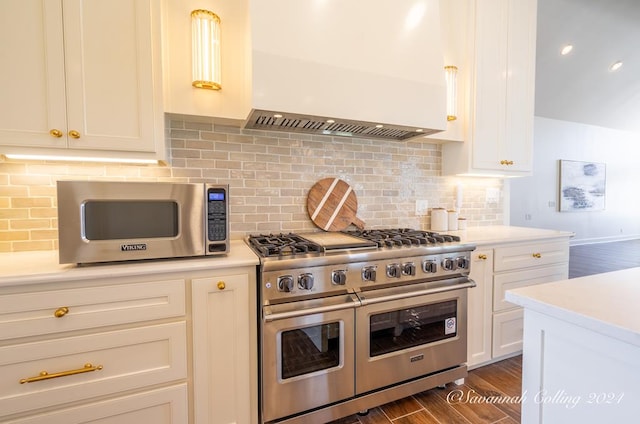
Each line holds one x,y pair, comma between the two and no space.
74,134
537,255
55,133
221,285
60,312
46,376
483,257
506,162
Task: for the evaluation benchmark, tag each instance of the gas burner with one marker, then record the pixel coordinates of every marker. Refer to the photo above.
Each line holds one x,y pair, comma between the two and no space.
397,237
283,245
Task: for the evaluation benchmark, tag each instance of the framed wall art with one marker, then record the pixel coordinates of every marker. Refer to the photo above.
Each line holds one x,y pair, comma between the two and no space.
582,186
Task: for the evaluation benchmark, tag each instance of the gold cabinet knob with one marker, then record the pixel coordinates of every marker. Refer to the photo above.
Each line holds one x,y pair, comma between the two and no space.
506,162
537,255
74,134
55,133
60,312
483,257
221,285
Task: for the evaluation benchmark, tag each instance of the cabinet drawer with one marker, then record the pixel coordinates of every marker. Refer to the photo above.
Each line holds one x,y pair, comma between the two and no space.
507,332
529,255
30,314
514,280
129,359
163,406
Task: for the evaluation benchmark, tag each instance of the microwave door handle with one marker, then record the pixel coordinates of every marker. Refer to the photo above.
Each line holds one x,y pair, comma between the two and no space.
269,315
463,284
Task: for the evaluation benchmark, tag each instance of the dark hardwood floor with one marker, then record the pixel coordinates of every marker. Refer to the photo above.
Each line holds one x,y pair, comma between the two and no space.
489,395
588,259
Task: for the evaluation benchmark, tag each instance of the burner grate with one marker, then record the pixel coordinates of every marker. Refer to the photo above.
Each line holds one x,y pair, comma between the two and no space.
282,245
398,237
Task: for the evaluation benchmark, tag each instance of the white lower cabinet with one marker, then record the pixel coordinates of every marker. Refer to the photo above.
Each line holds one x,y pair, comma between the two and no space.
495,325
110,351
480,308
162,406
224,347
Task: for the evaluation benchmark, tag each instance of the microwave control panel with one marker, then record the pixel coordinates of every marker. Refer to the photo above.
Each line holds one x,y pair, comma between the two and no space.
217,220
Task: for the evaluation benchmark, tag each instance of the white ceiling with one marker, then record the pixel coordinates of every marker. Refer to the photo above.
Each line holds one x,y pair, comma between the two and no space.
579,87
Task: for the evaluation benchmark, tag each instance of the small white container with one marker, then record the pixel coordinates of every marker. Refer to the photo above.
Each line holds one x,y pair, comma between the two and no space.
452,220
439,219
462,223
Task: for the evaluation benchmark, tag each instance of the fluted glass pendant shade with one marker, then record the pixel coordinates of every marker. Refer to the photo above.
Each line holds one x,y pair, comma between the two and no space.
451,73
205,39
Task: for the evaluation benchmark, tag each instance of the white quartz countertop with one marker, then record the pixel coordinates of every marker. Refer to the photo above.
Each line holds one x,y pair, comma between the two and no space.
606,303
43,267
506,234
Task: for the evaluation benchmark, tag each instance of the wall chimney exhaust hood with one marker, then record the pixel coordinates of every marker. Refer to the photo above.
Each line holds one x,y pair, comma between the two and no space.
371,69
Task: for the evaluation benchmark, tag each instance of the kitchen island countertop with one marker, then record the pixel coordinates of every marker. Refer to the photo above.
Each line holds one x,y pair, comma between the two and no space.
43,267
605,303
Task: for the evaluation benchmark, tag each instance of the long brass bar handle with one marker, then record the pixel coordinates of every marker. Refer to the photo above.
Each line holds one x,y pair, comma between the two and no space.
537,255
46,376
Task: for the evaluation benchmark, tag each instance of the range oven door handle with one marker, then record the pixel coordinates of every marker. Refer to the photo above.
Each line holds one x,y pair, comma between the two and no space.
351,301
461,283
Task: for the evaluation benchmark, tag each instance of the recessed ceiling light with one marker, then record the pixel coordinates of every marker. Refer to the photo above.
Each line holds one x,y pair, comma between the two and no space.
566,49
379,126
330,121
615,66
419,130
277,115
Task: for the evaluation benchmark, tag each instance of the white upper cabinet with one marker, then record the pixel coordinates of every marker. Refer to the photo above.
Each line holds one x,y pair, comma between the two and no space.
499,80
81,78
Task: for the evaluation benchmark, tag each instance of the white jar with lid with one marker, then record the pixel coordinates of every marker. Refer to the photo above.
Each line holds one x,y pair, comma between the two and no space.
439,219
452,220
462,223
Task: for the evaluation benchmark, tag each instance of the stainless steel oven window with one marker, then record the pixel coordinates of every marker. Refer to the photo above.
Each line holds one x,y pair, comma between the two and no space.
130,219
415,326
310,349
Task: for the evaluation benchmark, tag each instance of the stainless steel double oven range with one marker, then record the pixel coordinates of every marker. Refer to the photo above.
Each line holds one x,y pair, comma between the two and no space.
352,320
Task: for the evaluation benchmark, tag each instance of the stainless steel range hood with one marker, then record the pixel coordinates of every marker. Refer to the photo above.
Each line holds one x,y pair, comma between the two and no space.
370,69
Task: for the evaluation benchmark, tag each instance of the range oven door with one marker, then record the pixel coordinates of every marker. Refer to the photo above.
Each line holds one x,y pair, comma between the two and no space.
307,355
410,331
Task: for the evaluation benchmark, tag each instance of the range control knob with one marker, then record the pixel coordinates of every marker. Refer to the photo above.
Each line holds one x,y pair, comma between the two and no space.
462,262
393,270
339,277
305,281
430,266
449,264
409,268
285,283
369,273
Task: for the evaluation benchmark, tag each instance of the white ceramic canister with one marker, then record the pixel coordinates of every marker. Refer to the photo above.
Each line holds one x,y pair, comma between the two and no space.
462,223
452,220
439,219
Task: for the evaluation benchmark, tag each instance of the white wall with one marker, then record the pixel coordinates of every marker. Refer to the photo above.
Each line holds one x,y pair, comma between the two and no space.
534,200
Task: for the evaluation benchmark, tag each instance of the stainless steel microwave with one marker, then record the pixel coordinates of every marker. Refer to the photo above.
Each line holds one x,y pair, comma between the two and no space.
101,221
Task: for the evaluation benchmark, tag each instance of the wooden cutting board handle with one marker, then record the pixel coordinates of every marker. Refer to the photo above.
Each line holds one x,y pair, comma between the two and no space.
332,205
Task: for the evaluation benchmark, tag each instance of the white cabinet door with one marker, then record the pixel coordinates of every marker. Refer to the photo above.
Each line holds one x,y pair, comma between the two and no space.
84,76
224,343
32,79
501,56
479,308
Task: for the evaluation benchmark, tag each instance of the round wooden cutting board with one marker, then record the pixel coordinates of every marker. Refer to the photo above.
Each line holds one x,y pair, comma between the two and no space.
332,205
